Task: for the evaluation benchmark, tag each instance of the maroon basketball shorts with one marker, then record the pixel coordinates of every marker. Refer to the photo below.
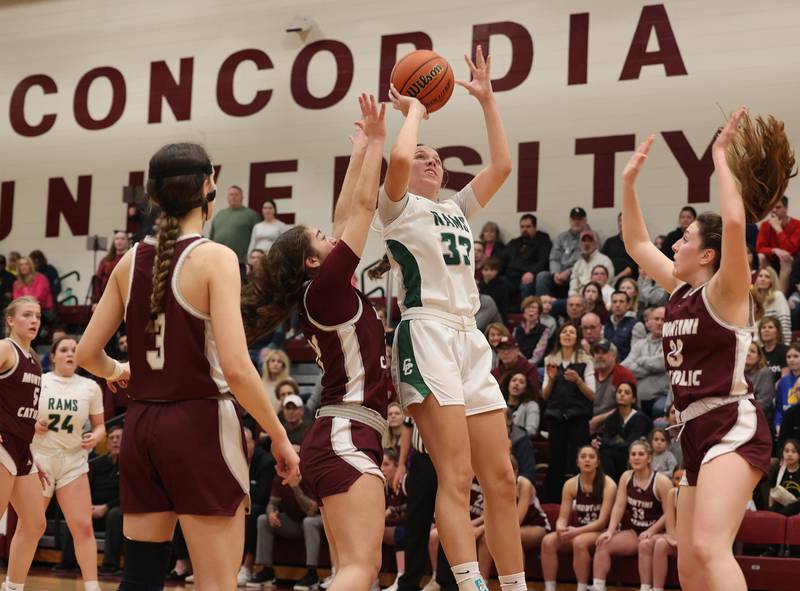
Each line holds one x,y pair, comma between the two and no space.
740,426
335,453
187,457
15,455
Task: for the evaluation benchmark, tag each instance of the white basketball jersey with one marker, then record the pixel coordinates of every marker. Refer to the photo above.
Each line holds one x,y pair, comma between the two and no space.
66,404
430,249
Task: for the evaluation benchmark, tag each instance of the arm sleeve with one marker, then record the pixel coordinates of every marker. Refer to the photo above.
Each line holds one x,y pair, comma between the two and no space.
588,376
467,202
330,298
388,210
763,242
532,418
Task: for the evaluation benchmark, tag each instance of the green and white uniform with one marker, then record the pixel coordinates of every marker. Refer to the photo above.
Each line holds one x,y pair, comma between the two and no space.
437,347
66,404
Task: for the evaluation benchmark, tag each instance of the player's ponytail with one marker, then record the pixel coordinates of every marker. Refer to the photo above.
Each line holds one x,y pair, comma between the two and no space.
379,270
276,283
762,159
175,183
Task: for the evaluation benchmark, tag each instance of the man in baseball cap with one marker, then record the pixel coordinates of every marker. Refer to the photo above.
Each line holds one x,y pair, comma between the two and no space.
511,360
293,418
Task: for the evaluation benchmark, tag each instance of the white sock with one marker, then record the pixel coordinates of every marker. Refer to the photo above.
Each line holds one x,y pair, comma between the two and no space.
599,585
9,586
582,587
550,586
515,582
91,586
468,577
645,588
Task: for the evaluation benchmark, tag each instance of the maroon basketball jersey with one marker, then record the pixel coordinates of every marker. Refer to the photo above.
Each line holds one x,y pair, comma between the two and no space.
587,510
351,353
643,508
19,395
535,514
475,500
179,361
705,356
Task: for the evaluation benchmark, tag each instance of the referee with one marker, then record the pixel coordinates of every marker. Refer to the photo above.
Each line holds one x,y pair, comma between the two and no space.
421,491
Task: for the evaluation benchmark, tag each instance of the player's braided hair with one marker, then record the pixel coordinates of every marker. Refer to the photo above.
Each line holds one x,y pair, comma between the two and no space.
276,283
762,159
175,183
380,269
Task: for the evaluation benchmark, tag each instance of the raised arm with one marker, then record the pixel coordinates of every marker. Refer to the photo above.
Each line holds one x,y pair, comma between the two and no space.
490,179
364,198
637,239
345,202
730,286
402,154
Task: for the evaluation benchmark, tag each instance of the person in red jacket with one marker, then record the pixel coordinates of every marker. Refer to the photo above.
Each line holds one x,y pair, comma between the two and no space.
510,359
778,235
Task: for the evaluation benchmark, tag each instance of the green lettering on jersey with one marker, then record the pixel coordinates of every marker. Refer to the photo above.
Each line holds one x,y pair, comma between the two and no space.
409,269
455,255
66,424
437,220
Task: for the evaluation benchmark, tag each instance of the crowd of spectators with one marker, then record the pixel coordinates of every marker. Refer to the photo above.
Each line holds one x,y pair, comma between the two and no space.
577,351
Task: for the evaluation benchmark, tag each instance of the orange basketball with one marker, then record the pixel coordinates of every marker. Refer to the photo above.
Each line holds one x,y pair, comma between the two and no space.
426,76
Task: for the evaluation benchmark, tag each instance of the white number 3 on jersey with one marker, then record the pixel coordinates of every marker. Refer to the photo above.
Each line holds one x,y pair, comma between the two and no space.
155,357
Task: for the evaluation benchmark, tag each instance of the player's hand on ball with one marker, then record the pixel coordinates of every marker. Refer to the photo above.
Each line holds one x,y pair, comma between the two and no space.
406,104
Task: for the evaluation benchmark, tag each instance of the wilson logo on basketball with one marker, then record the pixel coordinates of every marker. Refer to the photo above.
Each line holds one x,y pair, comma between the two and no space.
420,83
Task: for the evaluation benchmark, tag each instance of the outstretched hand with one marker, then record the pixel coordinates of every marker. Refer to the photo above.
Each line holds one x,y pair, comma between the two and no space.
634,165
728,132
480,85
372,123
406,104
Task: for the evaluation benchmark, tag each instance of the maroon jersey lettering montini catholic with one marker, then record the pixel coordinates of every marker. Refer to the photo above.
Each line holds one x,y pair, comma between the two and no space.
586,509
704,355
179,361
345,332
643,508
535,514
19,395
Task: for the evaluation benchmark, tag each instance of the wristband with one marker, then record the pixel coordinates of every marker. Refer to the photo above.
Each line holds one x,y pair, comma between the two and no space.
118,369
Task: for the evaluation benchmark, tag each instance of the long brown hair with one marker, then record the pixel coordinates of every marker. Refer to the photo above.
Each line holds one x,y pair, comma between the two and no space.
175,183
28,280
762,159
112,251
276,283
599,482
11,310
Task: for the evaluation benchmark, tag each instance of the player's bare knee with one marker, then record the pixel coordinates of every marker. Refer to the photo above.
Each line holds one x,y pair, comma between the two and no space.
82,530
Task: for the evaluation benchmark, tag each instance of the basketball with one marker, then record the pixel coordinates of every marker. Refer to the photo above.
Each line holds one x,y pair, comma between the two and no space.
426,76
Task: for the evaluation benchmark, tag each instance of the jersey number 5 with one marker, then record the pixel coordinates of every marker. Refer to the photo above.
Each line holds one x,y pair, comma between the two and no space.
155,357
455,255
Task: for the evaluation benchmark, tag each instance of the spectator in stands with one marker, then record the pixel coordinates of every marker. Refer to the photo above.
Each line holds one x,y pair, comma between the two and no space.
614,248
527,256
266,232
531,334
521,447
592,330
770,334
478,256
496,332
784,482
621,323
592,493
253,259
593,296
395,417
13,259
40,265
576,307
608,375
31,283
294,419
624,426
778,234
766,290
492,245
630,287
546,316
119,246
106,514
589,258
600,277
521,399
511,360
651,294
262,473
687,215
288,506
275,370
6,284
568,391
563,255
493,285
233,226
756,370
788,389
646,362
674,445
790,426
664,461
487,314
658,241
640,518
396,505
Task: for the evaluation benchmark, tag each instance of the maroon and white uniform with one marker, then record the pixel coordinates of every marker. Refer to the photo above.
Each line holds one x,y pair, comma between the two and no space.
535,515
476,500
586,509
183,449
643,508
348,337
705,358
19,398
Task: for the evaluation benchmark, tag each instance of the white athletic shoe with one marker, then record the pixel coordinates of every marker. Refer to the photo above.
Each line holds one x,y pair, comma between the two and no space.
432,586
243,577
327,581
